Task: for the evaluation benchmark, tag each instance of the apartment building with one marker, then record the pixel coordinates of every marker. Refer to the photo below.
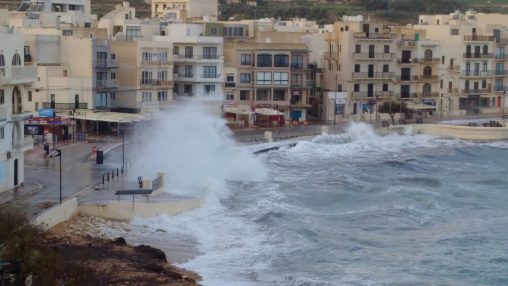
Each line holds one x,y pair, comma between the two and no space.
185,9
53,12
198,60
473,56
15,77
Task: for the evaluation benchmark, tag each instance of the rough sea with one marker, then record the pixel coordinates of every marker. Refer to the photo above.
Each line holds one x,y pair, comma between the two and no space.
356,209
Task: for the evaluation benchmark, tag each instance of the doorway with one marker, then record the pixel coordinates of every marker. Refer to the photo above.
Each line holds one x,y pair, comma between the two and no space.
15,172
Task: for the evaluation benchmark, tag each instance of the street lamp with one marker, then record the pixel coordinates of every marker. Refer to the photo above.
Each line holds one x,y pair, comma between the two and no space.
59,154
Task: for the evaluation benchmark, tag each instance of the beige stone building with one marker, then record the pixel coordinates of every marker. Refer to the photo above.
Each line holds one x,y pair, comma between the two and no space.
185,9
15,77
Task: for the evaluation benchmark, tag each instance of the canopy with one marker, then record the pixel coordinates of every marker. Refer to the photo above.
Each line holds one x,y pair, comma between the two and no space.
268,111
420,106
108,116
242,110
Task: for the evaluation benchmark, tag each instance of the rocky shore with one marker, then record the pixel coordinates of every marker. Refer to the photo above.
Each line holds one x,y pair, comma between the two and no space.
113,260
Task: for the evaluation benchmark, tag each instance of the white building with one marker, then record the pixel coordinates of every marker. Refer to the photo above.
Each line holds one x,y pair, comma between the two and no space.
14,77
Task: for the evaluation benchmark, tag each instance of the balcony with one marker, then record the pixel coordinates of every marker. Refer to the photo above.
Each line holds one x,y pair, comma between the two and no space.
198,57
429,78
155,83
406,43
18,75
478,56
428,94
373,56
64,106
106,83
374,94
20,116
230,84
297,66
373,36
148,105
297,84
501,73
104,63
408,78
406,61
210,77
407,95
24,144
477,91
476,73
427,60
476,38
184,77
373,75
155,63
500,56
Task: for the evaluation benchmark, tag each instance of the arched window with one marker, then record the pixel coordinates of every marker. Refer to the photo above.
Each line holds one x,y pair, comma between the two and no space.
467,85
485,49
426,89
17,106
427,72
484,84
2,60
428,54
16,60
468,51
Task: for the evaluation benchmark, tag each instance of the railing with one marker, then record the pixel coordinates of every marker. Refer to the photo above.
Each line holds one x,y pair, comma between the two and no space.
408,78
106,83
476,38
187,75
155,63
106,63
407,95
405,61
373,56
500,56
501,88
501,72
296,84
453,90
372,94
210,75
428,94
478,56
476,91
18,74
477,73
429,77
68,106
426,60
373,75
199,57
230,84
406,43
297,66
374,36
154,82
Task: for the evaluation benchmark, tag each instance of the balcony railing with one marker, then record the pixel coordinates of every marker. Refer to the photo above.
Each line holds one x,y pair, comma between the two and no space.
66,106
106,83
476,38
297,84
373,56
429,77
104,63
155,63
373,75
478,56
476,73
210,76
406,43
155,82
230,84
185,76
426,60
374,36
297,66
501,72
476,91
407,95
408,78
428,94
500,56
382,94
199,57
18,75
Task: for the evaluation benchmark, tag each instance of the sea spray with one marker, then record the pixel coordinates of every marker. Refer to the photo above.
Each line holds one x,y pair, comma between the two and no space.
196,151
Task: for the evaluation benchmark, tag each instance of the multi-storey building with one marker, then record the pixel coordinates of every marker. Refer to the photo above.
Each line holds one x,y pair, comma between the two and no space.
184,9
14,78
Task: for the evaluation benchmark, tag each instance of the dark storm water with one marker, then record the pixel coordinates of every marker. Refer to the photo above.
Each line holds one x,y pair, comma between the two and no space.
359,209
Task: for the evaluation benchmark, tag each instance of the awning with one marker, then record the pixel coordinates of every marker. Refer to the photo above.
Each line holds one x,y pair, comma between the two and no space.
268,111
242,110
108,116
420,106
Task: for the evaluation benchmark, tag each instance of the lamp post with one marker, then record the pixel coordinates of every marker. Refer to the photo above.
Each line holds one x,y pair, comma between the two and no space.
59,154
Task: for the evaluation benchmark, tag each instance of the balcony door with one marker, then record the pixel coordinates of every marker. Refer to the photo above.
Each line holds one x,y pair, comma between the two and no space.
17,104
371,71
372,50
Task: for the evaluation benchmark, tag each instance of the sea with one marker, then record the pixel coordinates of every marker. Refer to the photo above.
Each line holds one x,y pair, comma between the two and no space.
350,209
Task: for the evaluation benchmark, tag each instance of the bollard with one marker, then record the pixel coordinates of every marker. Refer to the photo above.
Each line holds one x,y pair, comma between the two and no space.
108,176
103,179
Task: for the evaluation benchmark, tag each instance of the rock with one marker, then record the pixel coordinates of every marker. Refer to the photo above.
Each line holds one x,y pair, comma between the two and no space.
155,253
120,241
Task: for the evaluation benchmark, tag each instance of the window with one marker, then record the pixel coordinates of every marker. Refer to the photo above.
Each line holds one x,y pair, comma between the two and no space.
263,94
233,31
297,80
2,60
244,94
358,48
146,77
209,52
387,49
279,95
187,89
175,88
499,84
454,31
263,78
29,96
162,96
163,56
357,68
245,59
113,96
145,56
245,77
280,78
356,87
484,84
297,62
230,96
214,31
281,61
176,50
146,96
189,52
16,60
230,78
427,72
385,87
386,68
2,96
428,54
113,75
67,33
132,33
264,60
2,132
188,72
209,88
209,72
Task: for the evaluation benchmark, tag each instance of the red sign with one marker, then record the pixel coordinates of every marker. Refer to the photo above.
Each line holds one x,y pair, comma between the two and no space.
47,120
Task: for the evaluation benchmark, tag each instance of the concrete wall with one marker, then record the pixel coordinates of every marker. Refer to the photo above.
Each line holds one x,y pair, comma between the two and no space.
57,214
463,132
